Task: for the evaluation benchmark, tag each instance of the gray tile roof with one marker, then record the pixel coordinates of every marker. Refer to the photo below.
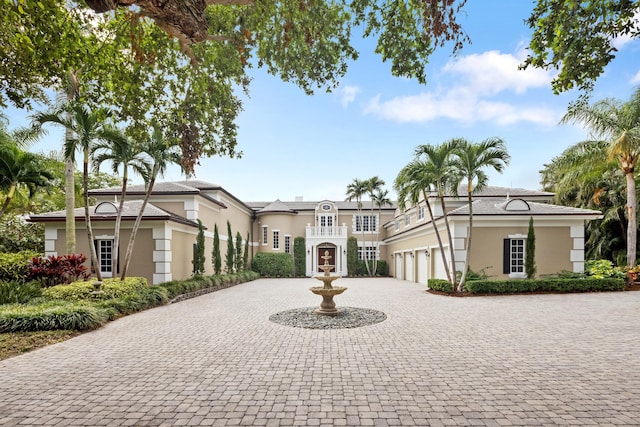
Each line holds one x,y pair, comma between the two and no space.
489,207
493,191
129,212
311,205
276,207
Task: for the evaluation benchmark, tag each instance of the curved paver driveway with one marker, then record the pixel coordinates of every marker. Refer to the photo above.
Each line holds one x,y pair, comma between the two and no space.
218,360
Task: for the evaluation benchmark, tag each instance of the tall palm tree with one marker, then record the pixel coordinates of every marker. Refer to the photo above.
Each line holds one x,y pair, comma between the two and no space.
355,191
161,153
470,160
372,185
380,198
121,152
415,181
618,123
443,172
18,169
88,127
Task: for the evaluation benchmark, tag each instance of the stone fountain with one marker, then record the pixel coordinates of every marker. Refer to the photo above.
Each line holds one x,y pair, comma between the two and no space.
328,307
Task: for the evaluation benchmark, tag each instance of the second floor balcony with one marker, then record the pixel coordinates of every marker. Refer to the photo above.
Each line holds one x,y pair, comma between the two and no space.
340,231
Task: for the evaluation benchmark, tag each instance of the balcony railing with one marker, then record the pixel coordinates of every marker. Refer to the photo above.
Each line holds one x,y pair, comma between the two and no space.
327,231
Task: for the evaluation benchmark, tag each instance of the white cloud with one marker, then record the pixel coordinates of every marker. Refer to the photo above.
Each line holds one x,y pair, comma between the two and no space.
620,41
472,95
349,95
636,79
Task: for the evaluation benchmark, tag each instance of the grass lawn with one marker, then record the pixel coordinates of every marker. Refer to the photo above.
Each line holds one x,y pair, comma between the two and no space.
12,344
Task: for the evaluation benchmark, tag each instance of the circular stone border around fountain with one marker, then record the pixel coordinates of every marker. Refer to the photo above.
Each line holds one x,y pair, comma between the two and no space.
347,318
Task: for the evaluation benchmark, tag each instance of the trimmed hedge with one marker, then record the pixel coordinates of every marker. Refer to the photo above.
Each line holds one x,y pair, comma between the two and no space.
546,285
273,265
82,290
382,269
535,285
15,266
176,288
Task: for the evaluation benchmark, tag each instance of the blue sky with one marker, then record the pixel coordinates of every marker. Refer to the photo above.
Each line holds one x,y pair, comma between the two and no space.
314,146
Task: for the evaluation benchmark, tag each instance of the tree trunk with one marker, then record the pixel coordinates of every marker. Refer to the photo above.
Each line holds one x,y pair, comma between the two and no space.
467,257
116,232
454,273
136,225
632,225
442,251
87,215
70,201
7,200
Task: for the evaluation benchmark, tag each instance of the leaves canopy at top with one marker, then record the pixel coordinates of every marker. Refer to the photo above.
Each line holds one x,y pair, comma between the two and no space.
178,63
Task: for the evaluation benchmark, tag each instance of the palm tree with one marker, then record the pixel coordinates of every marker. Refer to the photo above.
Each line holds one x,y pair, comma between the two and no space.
355,191
413,182
380,198
88,127
120,152
618,123
372,185
443,172
470,160
161,153
18,169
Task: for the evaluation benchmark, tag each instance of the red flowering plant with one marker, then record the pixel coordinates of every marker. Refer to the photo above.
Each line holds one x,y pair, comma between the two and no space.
56,270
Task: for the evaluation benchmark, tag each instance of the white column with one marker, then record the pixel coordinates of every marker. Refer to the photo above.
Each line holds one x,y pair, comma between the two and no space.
162,255
577,253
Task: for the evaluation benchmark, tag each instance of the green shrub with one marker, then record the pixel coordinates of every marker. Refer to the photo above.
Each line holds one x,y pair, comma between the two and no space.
18,291
546,285
299,257
144,298
51,315
273,265
18,235
352,256
382,269
602,268
441,285
15,266
113,288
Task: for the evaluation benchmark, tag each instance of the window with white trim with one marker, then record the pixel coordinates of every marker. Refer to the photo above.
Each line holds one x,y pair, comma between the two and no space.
397,225
420,213
371,252
287,244
366,223
104,249
265,235
276,239
407,220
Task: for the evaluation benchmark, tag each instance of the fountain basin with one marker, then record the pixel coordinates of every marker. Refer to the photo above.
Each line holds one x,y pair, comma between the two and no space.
336,290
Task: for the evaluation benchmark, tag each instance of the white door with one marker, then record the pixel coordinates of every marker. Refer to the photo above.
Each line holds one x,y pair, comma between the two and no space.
398,266
408,264
439,271
421,268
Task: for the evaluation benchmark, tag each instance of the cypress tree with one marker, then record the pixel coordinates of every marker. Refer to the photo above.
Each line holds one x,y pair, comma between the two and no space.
238,258
530,252
198,251
217,260
229,259
245,257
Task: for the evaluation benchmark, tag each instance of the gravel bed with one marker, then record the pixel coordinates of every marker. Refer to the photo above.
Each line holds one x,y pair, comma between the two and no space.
348,317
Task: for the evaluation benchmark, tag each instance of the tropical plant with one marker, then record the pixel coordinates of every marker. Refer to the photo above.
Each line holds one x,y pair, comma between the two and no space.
380,198
89,127
439,159
17,235
415,181
161,153
54,270
470,160
618,123
120,152
18,169
355,191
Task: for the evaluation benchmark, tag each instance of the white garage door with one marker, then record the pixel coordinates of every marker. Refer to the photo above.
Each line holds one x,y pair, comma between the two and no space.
439,271
398,267
421,270
408,264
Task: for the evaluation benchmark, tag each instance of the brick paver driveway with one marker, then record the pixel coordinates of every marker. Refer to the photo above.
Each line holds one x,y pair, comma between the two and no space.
218,360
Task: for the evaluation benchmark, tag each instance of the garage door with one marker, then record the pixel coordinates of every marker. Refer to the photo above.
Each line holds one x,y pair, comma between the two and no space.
408,266
398,271
421,267
439,271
